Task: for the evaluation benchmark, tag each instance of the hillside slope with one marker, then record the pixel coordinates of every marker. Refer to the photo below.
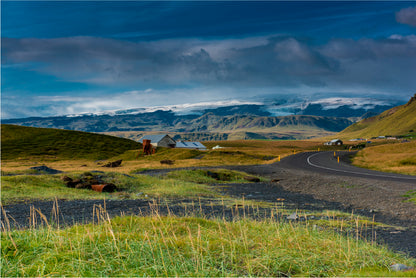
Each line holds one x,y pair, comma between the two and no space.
396,121
27,142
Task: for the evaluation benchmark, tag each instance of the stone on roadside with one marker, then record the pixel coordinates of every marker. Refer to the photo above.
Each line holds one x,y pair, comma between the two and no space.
400,267
293,216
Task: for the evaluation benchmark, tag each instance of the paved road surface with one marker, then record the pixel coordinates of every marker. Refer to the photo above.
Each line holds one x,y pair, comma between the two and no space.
327,163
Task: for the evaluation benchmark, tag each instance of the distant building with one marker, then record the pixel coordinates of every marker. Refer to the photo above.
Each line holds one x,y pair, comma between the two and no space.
159,140
334,142
190,145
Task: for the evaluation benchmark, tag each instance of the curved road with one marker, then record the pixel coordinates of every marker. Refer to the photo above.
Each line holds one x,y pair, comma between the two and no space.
327,163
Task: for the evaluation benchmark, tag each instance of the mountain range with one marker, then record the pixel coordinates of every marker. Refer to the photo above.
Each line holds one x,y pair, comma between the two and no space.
298,119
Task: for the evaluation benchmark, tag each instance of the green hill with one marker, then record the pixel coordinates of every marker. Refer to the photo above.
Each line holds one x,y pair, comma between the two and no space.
399,120
26,142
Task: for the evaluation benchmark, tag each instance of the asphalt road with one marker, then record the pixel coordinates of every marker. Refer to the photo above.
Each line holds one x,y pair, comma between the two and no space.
327,163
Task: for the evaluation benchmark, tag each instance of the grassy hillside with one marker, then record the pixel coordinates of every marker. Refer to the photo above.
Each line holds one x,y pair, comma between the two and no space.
398,158
399,120
26,142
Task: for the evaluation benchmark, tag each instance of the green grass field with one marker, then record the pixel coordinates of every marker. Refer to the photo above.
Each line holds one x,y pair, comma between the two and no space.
192,246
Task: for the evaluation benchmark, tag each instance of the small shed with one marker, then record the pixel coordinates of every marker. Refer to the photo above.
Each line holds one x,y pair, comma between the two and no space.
334,142
159,140
190,145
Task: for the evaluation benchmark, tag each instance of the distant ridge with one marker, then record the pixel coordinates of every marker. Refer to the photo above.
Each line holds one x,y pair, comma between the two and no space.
399,120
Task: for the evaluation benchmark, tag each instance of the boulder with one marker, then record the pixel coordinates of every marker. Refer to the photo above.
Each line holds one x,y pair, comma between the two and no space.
45,169
400,267
213,175
167,162
113,164
293,216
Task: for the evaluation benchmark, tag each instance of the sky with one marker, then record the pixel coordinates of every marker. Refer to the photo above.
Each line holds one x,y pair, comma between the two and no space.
68,57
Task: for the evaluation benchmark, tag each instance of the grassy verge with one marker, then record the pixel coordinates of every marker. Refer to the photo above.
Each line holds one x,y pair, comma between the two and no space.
411,195
24,188
190,246
210,176
396,158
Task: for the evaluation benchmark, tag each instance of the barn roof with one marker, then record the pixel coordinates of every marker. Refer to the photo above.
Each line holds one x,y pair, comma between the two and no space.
154,138
194,145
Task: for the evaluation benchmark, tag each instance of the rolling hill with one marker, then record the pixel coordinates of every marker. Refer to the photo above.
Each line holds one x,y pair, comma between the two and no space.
27,142
398,120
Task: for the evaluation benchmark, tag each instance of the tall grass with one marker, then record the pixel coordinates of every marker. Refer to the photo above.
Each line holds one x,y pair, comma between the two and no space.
397,158
189,246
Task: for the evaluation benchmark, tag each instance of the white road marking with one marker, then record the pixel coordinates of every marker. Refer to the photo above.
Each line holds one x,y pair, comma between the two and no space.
352,172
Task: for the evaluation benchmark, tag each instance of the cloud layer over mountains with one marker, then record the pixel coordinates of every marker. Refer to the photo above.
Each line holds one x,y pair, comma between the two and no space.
65,57
365,65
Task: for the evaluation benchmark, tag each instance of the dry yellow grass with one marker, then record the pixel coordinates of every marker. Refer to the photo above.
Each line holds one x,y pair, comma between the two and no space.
233,153
398,158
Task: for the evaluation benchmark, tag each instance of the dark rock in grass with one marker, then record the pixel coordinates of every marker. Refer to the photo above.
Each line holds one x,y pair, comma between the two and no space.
69,182
45,169
66,179
252,179
167,162
113,164
213,175
83,186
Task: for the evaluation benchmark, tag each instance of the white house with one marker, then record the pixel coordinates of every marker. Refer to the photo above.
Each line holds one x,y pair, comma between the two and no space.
334,142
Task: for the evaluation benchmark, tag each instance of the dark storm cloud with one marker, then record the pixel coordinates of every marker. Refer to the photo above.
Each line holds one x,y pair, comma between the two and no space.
407,16
273,61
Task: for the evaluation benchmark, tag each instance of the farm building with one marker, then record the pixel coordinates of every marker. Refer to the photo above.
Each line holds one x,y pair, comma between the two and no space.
334,142
190,145
159,140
